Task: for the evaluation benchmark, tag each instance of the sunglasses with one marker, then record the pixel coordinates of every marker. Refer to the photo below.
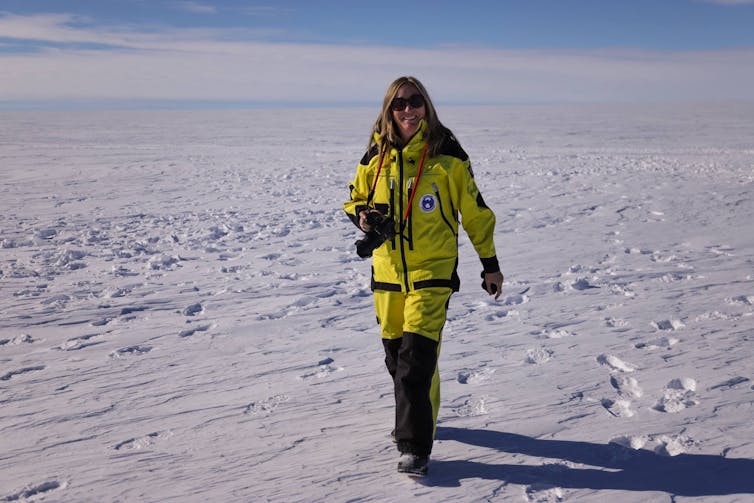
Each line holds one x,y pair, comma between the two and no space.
413,101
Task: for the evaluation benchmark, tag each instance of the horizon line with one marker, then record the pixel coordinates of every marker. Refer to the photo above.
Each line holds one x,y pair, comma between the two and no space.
116,104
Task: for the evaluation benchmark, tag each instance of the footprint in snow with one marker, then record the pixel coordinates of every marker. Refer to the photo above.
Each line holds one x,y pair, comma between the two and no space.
142,442
26,293
468,406
193,310
637,251
668,325
618,408
116,292
615,322
622,290
504,313
615,363
582,284
542,492
723,250
266,406
303,303
662,258
712,316
679,394
271,256
47,233
13,373
558,333
121,271
515,300
191,331
56,302
325,368
626,386
661,342
746,300
164,262
672,445
730,383
536,356
36,491
633,442
673,277
68,259
129,310
101,322
20,339
130,351
475,376
77,343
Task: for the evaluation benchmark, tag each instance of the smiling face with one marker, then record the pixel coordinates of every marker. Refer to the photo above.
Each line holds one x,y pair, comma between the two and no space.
407,118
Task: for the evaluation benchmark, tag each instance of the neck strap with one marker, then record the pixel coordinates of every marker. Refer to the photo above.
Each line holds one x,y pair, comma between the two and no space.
370,196
416,184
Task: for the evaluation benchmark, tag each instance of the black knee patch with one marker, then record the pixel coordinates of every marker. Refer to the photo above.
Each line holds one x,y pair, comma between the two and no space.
418,356
392,346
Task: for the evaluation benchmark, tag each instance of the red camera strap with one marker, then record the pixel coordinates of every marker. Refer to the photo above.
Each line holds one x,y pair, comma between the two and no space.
376,178
416,184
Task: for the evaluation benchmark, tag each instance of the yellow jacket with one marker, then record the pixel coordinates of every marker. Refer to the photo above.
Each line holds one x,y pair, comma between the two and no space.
424,253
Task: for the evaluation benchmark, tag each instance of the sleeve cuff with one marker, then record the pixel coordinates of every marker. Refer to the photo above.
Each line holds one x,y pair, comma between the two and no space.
490,264
355,217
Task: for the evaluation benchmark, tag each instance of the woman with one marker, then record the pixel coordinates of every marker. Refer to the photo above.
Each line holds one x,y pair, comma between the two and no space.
409,188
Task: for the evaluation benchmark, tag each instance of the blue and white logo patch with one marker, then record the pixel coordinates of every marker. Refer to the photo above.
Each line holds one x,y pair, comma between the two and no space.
428,203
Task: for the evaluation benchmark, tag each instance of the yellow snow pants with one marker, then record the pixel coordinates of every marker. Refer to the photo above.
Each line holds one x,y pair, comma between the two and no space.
411,327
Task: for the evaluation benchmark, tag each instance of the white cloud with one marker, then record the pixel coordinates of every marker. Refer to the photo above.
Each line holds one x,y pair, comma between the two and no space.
198,65
729,2
69,29
45,27
196,7
265,11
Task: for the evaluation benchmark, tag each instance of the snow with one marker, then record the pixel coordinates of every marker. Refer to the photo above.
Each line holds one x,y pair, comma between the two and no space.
184,317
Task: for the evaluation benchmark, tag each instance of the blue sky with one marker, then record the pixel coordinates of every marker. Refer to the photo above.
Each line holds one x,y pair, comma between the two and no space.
136,52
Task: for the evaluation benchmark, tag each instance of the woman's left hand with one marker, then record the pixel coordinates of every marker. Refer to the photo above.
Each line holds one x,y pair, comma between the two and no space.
494,282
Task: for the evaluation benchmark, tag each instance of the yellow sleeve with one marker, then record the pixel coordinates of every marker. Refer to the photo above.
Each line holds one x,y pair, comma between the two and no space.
359,192
477,219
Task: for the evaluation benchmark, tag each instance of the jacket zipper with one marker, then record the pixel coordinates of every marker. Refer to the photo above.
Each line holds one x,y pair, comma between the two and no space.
409,224
400,212
391,213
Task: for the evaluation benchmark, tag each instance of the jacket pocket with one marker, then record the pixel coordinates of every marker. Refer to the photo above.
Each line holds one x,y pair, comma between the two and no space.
442,210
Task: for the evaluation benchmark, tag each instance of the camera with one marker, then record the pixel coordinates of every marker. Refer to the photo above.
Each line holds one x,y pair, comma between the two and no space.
383,228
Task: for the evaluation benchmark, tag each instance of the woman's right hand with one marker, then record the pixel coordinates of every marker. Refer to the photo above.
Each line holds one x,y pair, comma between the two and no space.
363,221
363,225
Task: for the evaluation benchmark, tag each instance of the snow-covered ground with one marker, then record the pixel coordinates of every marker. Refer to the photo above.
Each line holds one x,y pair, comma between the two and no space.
183,316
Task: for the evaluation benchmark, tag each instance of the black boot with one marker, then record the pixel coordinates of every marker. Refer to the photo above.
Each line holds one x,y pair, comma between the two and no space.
413,465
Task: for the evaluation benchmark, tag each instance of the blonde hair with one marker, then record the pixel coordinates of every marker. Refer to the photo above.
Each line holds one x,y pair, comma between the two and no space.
387,130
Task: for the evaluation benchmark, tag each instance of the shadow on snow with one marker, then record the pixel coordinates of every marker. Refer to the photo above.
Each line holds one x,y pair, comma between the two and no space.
625,469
